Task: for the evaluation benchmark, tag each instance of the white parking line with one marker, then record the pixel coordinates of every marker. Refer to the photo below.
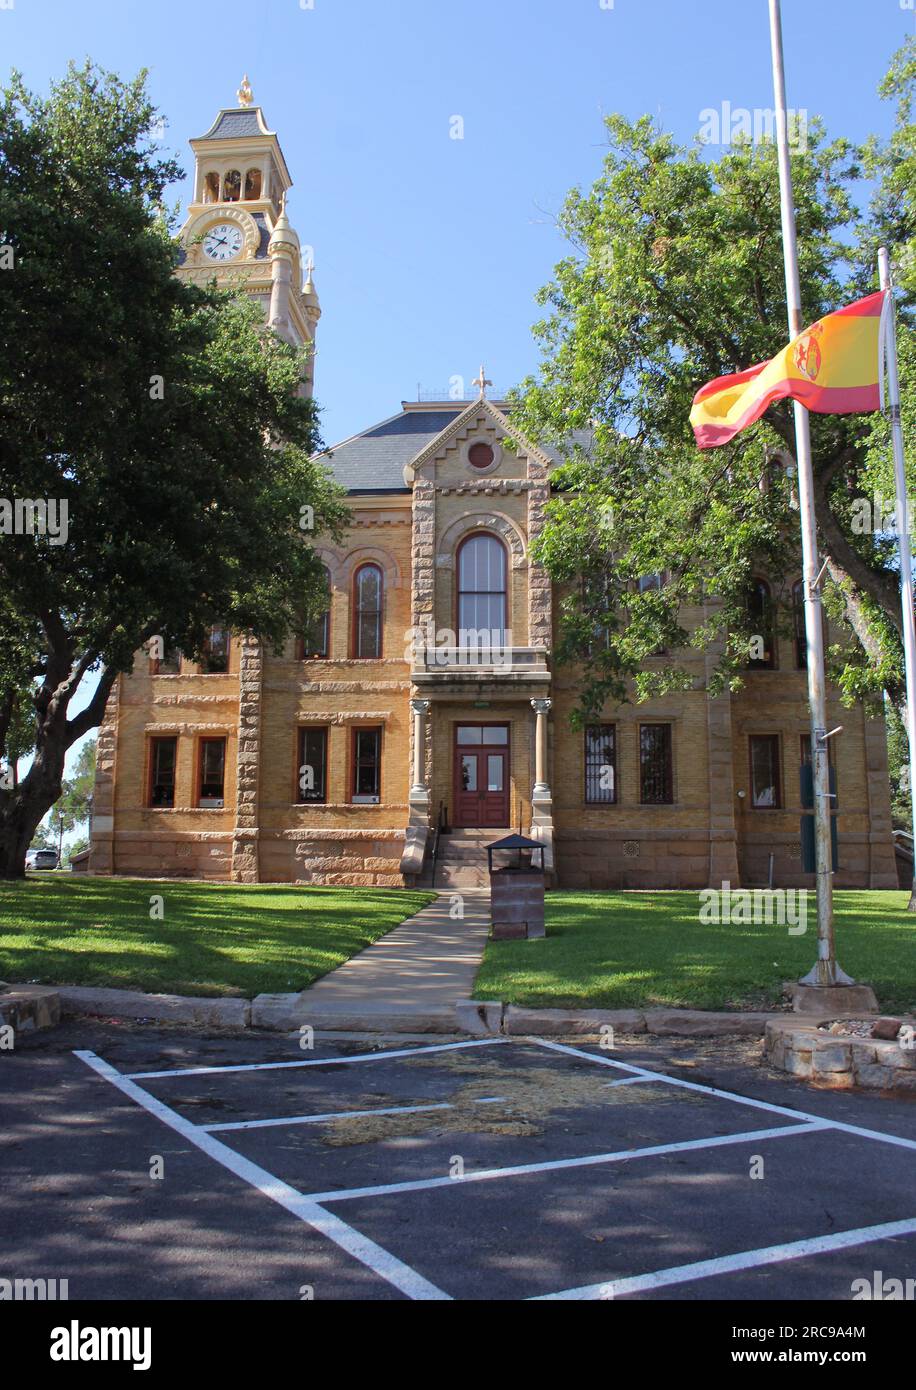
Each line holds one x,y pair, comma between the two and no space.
643,1074
381,1262
342,1115
325,1118
716,1141
312,1061
731,1264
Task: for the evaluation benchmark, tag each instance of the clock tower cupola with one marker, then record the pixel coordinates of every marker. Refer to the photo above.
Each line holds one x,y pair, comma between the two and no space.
237,229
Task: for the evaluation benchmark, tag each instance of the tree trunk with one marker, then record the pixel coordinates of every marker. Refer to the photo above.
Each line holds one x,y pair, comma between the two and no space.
23,808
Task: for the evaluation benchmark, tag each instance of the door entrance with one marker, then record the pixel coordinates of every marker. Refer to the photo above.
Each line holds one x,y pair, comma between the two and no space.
481,775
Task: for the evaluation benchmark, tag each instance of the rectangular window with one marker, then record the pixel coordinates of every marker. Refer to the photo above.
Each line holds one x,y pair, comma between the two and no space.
766,783
367,764
163,756
215,657
601,764
312,774
656,773
212,771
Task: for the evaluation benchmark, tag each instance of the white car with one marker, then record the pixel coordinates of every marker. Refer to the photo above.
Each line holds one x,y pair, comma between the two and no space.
41,859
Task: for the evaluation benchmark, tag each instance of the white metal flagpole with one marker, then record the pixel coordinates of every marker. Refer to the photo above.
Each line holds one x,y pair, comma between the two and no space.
903,536
826,971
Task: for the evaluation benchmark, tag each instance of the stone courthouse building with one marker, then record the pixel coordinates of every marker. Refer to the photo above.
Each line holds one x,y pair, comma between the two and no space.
335,761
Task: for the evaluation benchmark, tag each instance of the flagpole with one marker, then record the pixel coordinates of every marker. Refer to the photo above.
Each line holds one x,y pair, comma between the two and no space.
826,971
903,539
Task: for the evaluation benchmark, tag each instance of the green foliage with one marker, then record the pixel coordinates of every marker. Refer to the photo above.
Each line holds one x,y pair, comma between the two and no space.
160,413
213,939
676,277
651,950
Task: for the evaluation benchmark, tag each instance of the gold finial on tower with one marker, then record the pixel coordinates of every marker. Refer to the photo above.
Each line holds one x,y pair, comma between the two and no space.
483,381
244,92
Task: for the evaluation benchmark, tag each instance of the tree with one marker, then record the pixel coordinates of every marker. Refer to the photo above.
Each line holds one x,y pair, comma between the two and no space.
76,798
158,423
676,277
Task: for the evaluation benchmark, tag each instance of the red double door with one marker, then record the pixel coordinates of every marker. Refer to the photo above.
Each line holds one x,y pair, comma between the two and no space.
481,775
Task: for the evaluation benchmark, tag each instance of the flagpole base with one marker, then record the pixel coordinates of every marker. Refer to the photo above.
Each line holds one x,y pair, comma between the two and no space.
825,974
832,1001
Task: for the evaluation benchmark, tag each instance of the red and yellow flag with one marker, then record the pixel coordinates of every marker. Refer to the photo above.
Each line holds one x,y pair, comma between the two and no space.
835,367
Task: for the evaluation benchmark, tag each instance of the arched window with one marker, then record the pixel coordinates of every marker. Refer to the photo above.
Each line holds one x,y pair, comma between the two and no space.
482,599
762,655
232,186
211,188
253,184
315,642
368,588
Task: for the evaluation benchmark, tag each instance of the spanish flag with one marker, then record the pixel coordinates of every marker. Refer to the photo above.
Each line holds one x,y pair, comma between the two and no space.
836,367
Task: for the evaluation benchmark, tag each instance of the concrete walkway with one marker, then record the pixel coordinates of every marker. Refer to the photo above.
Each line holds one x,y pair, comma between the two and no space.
417,971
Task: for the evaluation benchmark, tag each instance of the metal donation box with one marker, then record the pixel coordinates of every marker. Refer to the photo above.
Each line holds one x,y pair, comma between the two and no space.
516,888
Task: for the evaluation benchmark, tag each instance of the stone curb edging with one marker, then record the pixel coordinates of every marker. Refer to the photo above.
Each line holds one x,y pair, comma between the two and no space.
488,1018
480,1018
160,1008
840,1062
27,1007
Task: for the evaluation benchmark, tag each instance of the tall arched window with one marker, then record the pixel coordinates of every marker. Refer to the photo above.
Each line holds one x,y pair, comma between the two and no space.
232,186
252,184
482,599
367,612
762,655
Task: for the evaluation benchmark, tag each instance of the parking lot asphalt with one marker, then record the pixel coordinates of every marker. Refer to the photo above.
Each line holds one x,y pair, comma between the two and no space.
149,1163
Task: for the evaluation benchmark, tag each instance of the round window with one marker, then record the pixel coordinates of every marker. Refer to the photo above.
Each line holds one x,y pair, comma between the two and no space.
481,455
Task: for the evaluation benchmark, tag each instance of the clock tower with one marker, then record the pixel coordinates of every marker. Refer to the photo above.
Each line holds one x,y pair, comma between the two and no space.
237,231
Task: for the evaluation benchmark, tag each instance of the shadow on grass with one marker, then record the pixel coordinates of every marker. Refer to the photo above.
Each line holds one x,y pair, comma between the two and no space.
212,939
629,950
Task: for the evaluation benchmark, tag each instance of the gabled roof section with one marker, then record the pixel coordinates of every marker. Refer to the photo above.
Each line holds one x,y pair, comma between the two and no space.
460,422
374,460
384,458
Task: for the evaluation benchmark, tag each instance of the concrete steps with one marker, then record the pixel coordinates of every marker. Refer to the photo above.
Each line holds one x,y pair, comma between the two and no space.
462,861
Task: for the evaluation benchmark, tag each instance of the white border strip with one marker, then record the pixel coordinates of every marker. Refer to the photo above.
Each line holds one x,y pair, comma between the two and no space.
325,1118
381,1262
732,1264
821,1122
554,1165
311,1061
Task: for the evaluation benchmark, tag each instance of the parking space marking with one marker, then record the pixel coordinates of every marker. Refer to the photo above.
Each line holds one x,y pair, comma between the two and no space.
642,1074
312,1061
731,1264
716,1141
380,1261
342,1115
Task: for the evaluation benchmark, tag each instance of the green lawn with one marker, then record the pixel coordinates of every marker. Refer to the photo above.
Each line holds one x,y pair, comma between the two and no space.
626,950
214,939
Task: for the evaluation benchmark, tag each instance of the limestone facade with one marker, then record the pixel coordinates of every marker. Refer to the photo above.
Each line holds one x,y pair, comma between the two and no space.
412,724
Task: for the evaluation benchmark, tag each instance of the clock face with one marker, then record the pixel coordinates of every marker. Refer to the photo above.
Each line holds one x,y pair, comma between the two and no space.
223,242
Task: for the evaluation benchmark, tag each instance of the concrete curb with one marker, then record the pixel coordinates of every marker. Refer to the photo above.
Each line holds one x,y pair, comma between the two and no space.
287,1013
487,1018
161,1008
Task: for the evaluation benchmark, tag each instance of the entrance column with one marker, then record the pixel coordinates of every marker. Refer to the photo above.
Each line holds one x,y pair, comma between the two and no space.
541,800
419,709
541,788
417,832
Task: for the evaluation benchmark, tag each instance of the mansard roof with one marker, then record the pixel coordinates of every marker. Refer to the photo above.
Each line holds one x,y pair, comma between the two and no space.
375,459
237,123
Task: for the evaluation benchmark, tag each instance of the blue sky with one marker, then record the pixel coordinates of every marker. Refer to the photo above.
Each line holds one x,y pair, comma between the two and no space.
429,249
